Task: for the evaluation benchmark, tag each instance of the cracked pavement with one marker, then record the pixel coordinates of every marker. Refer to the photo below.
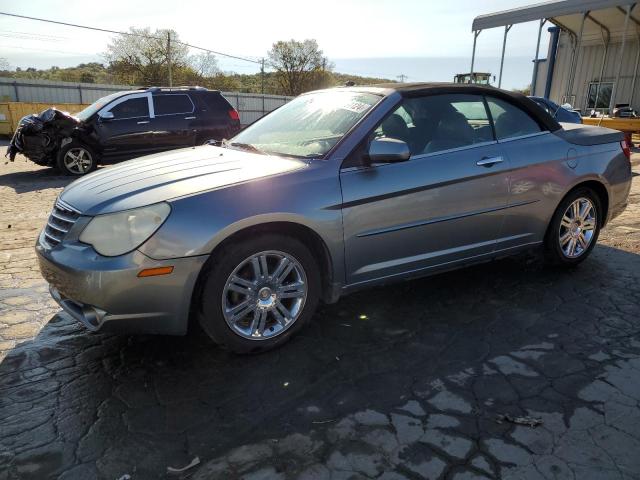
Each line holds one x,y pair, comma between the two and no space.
408,381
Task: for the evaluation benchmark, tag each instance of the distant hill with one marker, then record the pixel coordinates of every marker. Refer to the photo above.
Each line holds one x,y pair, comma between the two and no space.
249,83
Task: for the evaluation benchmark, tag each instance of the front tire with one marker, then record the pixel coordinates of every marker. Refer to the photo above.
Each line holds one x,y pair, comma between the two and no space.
257,294
76,159
574,228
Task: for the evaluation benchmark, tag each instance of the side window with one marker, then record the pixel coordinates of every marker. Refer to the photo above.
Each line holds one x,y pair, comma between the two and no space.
438,122
475,113
172,104
544,106
215,102
132,108
509,121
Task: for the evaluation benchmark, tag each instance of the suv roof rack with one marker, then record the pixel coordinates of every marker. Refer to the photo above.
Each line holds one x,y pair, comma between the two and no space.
170,89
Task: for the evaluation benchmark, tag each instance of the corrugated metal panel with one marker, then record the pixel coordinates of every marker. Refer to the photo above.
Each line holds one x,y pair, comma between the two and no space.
588,70
51,91
250,106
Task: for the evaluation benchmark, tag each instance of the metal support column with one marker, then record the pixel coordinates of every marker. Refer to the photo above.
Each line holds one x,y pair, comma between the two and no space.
504,46
574,62
473,54
169,58
605,43
621,58
534,78
635,72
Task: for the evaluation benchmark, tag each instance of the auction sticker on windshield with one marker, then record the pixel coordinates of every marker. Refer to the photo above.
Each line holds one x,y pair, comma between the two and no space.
356,106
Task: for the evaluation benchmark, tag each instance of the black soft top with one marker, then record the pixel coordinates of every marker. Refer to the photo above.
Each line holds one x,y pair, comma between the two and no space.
435,88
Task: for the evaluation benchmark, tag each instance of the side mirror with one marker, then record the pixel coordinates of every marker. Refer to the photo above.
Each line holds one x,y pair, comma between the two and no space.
105,115
388,150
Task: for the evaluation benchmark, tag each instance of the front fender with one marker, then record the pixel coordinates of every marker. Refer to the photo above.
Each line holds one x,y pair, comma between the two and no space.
199,223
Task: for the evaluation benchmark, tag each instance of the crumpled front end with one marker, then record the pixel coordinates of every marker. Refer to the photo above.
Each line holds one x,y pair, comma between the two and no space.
39,136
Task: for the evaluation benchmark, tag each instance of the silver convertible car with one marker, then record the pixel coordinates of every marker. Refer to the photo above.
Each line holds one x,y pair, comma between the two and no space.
337,190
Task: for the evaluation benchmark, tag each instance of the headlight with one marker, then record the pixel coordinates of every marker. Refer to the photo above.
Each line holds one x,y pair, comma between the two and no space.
117,233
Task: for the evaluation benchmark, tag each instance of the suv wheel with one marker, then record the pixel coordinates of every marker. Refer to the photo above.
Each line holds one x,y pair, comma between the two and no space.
76,159
259,293
574,228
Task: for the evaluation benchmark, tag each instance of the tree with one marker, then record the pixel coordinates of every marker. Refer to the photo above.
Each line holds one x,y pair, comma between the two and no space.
225,83
525,91
299,66
204,64
142,58
4,64
87,77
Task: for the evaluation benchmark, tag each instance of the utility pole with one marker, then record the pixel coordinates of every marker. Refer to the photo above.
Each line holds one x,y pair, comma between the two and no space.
169,57
262,75
402,77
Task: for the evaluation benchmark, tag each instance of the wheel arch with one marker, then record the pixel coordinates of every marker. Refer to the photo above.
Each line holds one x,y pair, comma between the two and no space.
303,233
598,188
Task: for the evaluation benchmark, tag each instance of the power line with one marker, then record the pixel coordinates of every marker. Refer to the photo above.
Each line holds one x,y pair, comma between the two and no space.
36,36
154,37
78,26
86,27
218,53
19,36
38,49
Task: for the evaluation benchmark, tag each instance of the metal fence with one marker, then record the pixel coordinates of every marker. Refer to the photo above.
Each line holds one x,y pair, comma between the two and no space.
250,106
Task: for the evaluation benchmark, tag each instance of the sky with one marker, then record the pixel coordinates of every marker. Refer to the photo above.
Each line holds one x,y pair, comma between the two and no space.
425,40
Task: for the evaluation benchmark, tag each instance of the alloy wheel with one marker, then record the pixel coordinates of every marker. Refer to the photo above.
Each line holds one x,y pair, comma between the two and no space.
78,160
577,227
264,295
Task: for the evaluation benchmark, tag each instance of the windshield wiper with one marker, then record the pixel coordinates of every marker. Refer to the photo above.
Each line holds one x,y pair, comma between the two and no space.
246,146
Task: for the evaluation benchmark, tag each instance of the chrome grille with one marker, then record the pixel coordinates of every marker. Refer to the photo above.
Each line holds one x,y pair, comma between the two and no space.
60,222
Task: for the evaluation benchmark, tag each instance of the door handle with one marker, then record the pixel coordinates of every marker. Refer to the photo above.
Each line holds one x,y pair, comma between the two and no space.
143,122
189,118
489,161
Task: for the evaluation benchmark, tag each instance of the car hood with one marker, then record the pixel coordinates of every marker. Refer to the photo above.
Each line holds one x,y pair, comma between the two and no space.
168,175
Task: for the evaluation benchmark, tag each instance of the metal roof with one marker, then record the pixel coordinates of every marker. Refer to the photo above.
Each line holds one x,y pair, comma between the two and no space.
563,12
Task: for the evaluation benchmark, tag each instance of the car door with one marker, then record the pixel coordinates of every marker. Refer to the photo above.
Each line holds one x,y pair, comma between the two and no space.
125,127
175,121
538,168
443,205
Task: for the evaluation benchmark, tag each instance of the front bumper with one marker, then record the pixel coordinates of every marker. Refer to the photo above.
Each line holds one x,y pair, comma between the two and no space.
105,293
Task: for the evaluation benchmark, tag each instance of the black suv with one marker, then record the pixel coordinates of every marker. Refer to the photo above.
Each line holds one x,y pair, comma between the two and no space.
125,125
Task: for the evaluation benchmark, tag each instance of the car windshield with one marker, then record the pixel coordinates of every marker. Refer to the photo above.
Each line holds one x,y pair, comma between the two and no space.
308,126
95,106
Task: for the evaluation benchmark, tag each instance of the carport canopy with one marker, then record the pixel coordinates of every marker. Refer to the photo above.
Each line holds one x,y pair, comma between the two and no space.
566,14
582,19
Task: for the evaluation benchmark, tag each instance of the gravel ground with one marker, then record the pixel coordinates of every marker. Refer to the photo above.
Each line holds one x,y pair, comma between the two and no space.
504,370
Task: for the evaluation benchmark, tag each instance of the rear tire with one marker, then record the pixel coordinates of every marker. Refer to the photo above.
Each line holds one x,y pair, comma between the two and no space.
574,228
271,283
76,159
